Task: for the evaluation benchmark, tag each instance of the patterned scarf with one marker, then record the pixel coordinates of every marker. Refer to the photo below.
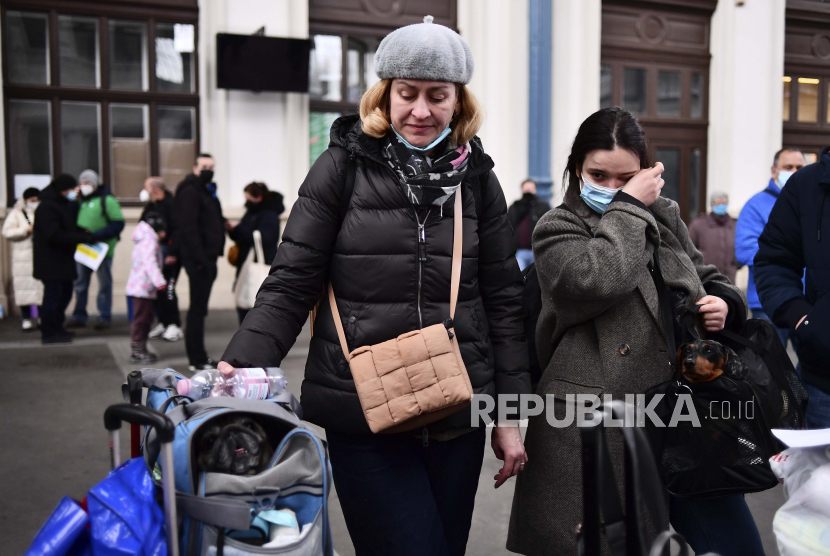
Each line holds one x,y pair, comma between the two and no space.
426,181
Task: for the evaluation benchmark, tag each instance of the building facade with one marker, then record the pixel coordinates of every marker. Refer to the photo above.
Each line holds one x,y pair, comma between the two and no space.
128,88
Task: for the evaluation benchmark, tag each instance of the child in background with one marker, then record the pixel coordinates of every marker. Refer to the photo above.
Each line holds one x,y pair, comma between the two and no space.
146,279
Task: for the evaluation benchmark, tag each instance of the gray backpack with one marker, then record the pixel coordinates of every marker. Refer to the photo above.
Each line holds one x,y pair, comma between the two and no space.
222,513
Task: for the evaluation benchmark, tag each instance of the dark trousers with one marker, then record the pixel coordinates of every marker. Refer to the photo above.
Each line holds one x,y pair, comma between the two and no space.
201,282
403,498
167,303
142,320
56,297
722,525
241,314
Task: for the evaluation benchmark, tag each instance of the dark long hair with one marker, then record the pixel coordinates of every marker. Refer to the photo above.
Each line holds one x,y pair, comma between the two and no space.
257,189
607,129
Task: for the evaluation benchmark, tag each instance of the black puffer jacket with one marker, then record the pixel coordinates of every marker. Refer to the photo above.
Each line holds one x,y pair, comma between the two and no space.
373,263
200,236
56,236
164,211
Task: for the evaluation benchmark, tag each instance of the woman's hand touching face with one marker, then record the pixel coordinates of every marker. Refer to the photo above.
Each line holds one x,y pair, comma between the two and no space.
620,168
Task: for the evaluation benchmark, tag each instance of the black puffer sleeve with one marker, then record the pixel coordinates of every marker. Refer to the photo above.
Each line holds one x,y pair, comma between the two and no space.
299,270
501,286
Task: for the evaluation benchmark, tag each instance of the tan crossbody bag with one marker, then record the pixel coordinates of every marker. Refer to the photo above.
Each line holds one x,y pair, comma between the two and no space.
418,377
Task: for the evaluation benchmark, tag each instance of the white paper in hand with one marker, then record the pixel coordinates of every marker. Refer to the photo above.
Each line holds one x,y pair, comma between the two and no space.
91,255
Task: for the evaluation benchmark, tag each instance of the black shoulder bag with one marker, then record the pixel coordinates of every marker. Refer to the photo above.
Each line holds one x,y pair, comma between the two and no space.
726,449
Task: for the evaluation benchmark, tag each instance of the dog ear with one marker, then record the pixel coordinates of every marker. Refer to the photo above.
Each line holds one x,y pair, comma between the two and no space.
679,357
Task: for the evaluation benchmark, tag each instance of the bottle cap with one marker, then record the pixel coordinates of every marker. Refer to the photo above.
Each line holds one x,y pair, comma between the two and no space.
183,387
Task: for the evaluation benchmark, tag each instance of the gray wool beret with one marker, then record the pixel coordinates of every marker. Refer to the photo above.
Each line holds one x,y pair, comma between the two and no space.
425,51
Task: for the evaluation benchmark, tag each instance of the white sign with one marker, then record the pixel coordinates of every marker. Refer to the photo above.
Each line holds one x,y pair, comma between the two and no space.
22,182
91,255
803,438
184,37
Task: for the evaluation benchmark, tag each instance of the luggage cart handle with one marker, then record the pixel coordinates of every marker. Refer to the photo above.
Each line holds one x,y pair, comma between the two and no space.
143,415
139,415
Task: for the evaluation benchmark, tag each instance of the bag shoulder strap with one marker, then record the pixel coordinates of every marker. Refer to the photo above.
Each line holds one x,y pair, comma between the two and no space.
260,252
455,280
773,193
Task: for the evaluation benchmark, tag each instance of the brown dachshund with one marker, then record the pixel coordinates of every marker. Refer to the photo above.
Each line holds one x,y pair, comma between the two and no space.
706,360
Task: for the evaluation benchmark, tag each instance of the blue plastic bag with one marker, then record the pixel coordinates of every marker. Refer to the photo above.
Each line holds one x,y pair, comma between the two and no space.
125,518
64,533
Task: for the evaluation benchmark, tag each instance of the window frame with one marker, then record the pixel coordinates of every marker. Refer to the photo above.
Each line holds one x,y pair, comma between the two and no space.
345,32
145,11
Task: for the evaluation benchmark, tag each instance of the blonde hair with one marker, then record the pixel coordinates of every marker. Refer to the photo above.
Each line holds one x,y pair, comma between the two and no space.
374,112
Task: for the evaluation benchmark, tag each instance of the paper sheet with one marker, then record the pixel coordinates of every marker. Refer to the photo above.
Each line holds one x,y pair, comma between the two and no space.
804,438
91,255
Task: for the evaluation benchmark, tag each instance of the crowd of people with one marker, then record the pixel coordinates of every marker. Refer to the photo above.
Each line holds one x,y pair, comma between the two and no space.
46,227
376,224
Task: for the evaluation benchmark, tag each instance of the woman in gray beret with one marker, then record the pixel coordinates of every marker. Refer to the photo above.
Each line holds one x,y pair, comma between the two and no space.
600,331
374,218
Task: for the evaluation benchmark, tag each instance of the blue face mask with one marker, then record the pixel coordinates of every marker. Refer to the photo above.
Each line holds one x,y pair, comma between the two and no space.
441,137
596,196
783,176
720,209
72,195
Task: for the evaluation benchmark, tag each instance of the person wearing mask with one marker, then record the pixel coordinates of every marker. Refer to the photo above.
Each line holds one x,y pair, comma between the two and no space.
160,213
523,216
713,235
600,330
55,235
199,240
754,217
263,210
18,228
100,213
797,239
387,250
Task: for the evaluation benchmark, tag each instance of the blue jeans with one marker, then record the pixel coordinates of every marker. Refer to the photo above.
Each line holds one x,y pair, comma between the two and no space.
104,274
818,408
783,333
403,498
525,258
722,525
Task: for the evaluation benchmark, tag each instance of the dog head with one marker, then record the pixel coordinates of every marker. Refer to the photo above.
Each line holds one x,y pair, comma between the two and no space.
234,444
702,360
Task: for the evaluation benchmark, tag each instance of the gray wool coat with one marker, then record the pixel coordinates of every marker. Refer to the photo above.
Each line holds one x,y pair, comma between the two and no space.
600,304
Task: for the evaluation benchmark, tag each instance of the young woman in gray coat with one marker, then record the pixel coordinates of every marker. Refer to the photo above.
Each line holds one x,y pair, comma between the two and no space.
600,330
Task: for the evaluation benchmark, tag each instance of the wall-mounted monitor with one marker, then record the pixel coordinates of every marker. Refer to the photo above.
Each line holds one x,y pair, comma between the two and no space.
257,63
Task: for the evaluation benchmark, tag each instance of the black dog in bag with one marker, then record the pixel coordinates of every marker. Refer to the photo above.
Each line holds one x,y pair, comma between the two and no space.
741,385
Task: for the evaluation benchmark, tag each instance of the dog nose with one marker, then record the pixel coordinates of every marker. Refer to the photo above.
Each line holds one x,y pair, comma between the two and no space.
690,362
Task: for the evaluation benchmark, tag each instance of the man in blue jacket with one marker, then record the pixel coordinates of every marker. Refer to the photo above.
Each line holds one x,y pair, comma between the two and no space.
796,238
754,217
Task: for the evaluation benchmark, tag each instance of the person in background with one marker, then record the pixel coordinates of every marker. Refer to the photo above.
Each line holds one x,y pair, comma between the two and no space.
160,213
18,227
797,238
100,213
754,217
523,216
55,236
263,212
714,236
143,285
200,240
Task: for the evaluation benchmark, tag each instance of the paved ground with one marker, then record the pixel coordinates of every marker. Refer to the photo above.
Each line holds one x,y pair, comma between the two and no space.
53,442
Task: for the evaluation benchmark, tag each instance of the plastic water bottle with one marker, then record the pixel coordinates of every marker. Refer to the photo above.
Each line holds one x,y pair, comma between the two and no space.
251,383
